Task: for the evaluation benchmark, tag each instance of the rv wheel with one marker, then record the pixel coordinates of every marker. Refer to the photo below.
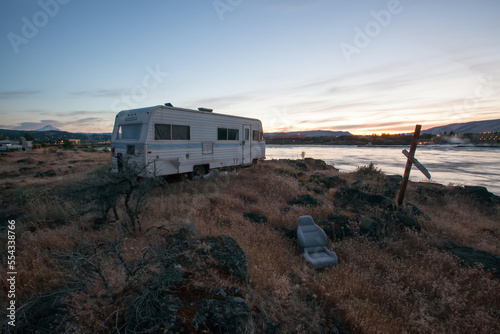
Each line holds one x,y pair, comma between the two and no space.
197,173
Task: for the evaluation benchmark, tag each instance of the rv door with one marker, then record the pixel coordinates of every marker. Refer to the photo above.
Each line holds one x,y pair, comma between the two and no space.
246,146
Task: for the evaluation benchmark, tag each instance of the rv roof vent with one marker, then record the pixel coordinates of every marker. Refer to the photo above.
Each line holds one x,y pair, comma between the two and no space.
205,109
169,104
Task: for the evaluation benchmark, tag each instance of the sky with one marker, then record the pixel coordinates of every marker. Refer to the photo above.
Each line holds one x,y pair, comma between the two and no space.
378,66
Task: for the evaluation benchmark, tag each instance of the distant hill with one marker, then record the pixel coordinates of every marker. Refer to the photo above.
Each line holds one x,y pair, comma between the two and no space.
51,136
469,127
48,128
317,133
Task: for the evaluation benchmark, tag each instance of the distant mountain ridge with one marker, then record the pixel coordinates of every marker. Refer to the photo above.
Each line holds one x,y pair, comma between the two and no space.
469,127
51,136
314,133
48,128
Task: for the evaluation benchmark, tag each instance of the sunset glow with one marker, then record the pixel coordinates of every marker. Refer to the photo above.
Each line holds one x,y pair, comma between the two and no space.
359,66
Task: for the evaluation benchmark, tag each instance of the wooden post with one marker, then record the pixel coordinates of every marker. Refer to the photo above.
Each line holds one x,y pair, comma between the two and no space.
413,148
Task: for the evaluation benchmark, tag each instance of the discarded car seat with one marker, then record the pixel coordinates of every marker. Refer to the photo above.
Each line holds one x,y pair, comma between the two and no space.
314,244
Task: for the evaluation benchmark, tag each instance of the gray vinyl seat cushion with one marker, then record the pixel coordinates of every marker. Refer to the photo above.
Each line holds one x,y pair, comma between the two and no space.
314,244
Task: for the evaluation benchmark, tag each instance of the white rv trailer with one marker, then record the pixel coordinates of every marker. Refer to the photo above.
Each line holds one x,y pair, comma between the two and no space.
165,140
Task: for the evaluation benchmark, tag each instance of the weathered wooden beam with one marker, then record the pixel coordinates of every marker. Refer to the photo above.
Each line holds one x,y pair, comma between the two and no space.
418,164
413,148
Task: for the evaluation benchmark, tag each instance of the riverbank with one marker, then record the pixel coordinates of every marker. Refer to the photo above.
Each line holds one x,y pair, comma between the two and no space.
448,164
221,253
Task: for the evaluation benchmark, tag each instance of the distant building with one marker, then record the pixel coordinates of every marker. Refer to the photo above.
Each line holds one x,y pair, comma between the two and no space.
27,145
4,145
8,145
74,141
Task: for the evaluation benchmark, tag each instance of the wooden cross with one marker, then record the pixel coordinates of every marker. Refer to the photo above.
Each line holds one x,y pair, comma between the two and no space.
411,161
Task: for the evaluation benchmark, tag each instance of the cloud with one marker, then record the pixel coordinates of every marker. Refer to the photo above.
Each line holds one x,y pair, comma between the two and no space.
99,93
224,101
79,123
85,121
36,125
18,94
81,113
292,5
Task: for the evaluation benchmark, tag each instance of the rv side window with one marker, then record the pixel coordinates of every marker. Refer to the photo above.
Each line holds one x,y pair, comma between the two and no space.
221,134
257,135
129,131
180,132
233,134
228,134
172,132
162,132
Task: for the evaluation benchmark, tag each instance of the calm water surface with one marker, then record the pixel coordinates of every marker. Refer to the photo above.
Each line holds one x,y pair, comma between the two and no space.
473,166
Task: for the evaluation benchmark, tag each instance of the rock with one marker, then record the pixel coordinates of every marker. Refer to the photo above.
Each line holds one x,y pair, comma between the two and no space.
317,164
318,191
255,217
229,256
391,222
308,164
8,175
24,170
471,256
327,182
228,315
306,200
400,219
413,209
25,161
357,200
48,173
300,165
479,194
374,227
336,226
430,192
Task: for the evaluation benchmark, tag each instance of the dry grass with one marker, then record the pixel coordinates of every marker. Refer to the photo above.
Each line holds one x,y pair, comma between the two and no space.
465,223
403,283
423,292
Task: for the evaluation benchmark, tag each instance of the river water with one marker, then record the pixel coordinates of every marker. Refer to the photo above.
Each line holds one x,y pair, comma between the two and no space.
469,165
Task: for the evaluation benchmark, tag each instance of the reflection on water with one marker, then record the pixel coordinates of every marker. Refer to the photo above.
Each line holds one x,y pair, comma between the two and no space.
473,166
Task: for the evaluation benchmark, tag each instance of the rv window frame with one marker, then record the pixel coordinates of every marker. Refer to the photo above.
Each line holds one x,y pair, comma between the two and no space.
171,131
169,126
119,134
257,135
224,134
